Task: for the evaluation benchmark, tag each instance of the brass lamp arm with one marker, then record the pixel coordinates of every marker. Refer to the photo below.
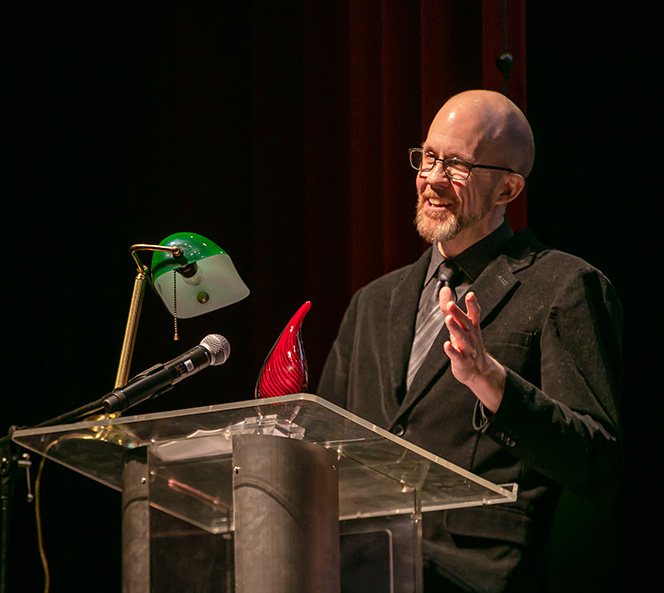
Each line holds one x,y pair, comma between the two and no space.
175,250
135,308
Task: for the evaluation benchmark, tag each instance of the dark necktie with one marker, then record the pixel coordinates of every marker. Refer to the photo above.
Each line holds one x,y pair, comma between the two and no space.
427,331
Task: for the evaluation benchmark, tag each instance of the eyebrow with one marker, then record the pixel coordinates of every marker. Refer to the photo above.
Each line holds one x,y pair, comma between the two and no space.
425,147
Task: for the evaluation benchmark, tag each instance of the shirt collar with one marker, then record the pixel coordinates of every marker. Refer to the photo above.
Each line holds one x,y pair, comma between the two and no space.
473,260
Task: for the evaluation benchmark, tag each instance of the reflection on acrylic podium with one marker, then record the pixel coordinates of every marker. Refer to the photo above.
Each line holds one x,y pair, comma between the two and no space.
288,494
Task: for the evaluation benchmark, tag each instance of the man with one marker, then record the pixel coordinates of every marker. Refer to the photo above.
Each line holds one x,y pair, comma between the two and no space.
521,382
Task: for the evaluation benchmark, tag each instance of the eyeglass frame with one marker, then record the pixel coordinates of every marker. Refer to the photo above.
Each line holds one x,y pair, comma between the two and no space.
450,158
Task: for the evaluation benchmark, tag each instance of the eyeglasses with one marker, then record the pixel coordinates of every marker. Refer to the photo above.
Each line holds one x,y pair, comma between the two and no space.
455,168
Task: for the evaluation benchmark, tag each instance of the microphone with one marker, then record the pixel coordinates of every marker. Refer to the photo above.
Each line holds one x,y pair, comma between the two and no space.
213,350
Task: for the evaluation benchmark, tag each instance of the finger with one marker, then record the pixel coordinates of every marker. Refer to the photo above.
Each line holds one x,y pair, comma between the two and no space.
459,316
458,358
454,355
445,297
473,308
459,337
456,328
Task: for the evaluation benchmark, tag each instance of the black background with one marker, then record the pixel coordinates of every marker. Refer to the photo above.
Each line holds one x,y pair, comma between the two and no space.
123,120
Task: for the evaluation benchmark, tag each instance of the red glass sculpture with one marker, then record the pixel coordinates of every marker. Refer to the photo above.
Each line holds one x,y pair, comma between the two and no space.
285,368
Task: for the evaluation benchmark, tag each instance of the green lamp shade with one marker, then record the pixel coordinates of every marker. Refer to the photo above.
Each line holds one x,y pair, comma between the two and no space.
200,280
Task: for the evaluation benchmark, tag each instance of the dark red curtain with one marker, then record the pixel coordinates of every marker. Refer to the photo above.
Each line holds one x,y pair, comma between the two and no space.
374,73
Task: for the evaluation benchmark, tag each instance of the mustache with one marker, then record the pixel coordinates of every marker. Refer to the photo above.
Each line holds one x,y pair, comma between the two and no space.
428,194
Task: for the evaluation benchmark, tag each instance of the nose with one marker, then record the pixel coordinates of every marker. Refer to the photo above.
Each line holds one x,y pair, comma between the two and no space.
437,175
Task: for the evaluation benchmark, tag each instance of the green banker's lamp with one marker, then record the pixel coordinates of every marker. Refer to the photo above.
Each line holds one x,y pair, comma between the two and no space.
191,274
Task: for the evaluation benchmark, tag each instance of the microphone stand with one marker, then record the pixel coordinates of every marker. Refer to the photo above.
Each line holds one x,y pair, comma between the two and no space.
8,466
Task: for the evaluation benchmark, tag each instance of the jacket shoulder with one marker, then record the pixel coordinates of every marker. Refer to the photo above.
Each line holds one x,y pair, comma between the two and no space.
526,249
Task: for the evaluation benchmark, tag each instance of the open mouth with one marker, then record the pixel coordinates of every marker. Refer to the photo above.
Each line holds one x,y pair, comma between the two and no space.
437,203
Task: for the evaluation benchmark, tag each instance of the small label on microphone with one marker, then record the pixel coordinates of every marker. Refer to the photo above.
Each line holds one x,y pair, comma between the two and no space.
189,365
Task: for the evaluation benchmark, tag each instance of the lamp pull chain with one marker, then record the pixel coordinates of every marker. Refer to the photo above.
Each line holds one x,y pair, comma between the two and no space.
176,337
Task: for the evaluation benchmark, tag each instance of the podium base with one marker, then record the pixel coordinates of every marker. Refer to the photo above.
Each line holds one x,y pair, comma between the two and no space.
286,504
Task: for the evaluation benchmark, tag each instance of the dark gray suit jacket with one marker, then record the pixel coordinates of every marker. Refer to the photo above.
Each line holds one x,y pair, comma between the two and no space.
556,324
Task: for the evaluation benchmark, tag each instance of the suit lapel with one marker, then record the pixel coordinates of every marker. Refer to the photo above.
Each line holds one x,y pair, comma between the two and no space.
494,284
401,322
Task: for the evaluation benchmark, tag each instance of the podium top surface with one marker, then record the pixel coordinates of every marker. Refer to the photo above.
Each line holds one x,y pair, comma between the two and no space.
189,455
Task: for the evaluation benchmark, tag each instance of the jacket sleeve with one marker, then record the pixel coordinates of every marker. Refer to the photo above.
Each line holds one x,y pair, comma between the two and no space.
333,384
568,428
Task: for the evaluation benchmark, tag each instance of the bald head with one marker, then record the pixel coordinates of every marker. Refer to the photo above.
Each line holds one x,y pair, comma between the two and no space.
498,129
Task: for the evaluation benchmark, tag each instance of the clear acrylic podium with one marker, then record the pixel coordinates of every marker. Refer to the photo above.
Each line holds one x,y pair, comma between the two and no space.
252,496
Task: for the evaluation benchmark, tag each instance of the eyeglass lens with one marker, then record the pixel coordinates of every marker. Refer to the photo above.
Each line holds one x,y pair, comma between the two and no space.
425,161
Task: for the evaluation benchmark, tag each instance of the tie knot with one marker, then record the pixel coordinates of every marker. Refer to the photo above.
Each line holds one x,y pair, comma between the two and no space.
448,273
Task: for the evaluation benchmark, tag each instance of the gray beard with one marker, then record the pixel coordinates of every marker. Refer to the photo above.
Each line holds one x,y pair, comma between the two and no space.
433,231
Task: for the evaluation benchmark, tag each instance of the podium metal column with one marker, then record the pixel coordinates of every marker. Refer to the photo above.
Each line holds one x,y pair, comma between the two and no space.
286,505
135,523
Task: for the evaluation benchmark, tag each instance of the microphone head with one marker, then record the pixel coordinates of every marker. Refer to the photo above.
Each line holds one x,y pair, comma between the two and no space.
218,347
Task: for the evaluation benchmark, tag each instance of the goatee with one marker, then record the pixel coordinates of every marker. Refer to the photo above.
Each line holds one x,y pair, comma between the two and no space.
434,230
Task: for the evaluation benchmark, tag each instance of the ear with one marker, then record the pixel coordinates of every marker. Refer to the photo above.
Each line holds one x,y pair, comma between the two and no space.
513,185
